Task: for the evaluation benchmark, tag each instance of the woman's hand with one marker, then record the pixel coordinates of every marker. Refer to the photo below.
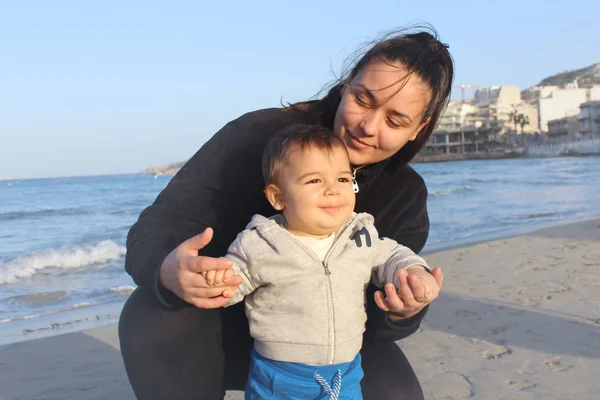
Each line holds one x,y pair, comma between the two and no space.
181,273
418,288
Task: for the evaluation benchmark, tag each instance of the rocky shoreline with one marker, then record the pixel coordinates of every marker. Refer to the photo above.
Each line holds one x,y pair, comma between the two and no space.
166,169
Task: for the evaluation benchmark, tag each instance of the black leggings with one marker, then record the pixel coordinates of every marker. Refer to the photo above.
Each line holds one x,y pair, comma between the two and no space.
190,353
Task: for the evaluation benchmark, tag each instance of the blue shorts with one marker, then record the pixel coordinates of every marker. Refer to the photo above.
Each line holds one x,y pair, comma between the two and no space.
269,379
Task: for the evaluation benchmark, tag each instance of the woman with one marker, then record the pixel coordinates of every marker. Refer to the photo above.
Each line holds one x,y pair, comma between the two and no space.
176,342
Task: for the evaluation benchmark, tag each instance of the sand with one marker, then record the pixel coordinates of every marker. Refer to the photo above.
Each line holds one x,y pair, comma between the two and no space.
518,318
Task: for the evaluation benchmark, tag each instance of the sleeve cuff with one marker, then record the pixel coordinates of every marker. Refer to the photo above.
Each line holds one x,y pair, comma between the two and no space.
167,298
421,263
410,324
401,329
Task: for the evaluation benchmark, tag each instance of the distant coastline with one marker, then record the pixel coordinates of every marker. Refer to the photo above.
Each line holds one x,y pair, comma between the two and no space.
173,168
165,169
466,156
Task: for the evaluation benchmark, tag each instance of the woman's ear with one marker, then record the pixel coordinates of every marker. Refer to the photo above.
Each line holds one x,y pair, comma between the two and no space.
421,126
273,194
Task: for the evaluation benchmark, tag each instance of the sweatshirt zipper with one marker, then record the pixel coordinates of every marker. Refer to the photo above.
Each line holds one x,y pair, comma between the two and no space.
328,275
354,182
332,331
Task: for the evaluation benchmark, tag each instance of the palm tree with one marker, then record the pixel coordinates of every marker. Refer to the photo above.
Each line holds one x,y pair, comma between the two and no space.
514,117
523,120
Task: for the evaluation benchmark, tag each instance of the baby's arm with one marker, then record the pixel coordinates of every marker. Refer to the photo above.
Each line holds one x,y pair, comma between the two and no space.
408,282
242,267
392,257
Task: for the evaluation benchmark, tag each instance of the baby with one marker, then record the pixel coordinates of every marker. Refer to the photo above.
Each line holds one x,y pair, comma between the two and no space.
305,271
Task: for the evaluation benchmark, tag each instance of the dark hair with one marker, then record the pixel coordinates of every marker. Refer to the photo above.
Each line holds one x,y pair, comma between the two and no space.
292,138
419,50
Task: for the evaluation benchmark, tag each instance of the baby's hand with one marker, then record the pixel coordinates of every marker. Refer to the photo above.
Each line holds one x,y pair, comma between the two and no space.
425,286
218,278
417,289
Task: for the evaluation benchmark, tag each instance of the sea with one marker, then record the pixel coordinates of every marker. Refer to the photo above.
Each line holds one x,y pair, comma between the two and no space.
62,239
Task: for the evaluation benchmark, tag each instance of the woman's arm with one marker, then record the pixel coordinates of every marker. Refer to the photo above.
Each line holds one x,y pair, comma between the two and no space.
410,228
219,187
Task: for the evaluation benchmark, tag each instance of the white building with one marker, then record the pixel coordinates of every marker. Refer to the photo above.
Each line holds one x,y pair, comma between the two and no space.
458,115
556,103
506,95
533,94
496,104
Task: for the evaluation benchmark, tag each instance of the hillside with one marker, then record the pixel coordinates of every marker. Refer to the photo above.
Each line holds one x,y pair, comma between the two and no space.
166,169
586,77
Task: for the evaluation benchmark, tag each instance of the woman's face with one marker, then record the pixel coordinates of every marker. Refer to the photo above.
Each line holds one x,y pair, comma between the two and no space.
381,110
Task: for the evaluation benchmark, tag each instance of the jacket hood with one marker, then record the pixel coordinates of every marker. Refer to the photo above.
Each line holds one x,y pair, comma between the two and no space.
261,223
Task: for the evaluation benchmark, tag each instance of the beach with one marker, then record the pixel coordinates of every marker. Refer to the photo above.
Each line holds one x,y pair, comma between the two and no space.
518,318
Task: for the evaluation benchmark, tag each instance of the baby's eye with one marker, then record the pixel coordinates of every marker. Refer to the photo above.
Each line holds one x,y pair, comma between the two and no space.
313,181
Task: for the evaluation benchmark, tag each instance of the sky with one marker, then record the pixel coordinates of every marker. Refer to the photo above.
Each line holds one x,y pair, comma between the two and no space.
109,87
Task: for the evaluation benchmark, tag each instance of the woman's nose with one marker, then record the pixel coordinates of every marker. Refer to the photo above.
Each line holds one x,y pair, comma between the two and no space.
369,123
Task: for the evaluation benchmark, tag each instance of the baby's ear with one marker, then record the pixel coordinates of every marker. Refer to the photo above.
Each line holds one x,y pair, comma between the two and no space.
275,197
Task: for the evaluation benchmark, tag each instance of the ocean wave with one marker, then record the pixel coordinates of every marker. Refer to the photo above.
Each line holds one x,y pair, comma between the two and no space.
122,290
25,317
439,193
36,299
540,214
33,316
64,258
15,215
487,180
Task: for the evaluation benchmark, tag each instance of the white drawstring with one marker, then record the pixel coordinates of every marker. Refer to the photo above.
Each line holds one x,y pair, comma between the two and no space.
333,393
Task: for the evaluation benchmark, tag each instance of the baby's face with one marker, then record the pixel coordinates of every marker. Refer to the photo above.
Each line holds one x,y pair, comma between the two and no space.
316,191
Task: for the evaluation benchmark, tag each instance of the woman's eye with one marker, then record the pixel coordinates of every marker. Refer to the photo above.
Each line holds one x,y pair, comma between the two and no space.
394,124
361,100
343,180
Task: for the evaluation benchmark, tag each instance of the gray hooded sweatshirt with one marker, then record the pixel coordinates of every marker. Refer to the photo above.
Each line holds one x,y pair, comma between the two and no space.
305,310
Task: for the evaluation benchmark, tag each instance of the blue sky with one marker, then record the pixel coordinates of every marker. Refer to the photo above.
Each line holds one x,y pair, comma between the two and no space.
117,86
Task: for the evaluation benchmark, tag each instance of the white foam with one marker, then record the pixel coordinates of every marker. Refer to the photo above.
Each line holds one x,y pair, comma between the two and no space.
75,306
25,317
123,290
32,316
458,190
64,258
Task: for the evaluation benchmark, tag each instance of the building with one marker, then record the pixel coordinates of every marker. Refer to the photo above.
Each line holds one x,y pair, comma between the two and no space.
457,115
457,130
467,140
506,95
564,128
589,118
533,94
530,112
497,105
557,103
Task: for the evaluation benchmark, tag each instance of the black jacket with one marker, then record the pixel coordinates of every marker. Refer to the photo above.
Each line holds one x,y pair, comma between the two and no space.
221,187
